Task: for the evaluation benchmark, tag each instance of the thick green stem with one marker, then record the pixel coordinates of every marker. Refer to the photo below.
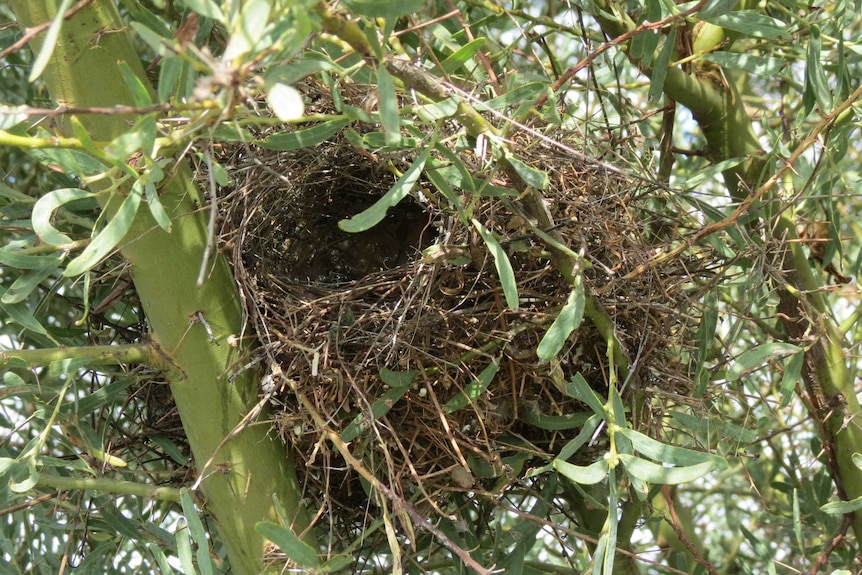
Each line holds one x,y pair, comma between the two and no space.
244,466
105,485
95,355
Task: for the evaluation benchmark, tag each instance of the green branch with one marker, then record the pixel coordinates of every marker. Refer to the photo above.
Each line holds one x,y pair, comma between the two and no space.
104,485
97,355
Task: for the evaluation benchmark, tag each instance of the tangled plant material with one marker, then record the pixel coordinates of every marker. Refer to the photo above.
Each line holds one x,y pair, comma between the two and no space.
401,338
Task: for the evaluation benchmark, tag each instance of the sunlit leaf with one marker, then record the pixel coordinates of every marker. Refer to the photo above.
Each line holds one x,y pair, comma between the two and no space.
108,238
370,217
751,23
660,475
49,41
43,213
304,138
665,453
589,475
285,101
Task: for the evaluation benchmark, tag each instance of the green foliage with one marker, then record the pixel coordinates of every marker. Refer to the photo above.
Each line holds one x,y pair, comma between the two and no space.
763,445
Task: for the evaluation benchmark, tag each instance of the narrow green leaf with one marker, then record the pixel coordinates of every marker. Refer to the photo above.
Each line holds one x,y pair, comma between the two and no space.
158,43
757,357
670,454
589,475
206,8
536,418
857,460
398,378
751,23
295,548
759,65
531,176
184,547
660,475
715,8
579,389
567,321
792,375
43,213
815,76
659,70
797,520
49,42
451,64
501,262
384,8
28,281
379,408
842,507
12,258
581,439
197,532
155,205
726,430
704,339
525,93
388,105
473,390
304,138
140,94
248,29
21,314
107,239
370,217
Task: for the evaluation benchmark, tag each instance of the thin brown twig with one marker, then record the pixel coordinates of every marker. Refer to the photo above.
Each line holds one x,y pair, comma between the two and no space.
754,196
33,31
823,559
570,72
27,504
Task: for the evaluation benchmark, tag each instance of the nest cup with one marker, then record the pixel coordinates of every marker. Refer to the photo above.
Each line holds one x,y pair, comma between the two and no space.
401,338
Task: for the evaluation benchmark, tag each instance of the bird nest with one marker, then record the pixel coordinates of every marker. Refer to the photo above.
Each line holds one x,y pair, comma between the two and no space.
400,338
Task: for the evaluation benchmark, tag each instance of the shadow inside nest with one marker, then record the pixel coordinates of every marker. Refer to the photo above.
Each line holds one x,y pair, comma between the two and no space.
401,337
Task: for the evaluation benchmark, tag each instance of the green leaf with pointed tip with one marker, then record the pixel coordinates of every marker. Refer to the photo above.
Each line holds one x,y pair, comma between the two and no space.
670,454
388,104
589,475
579,389
304,138
295,548
531,176
660,475
29,280
751,24
43,213
372,216
842,507
474,389
107,239
757,357
503,265
792,375
567,321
